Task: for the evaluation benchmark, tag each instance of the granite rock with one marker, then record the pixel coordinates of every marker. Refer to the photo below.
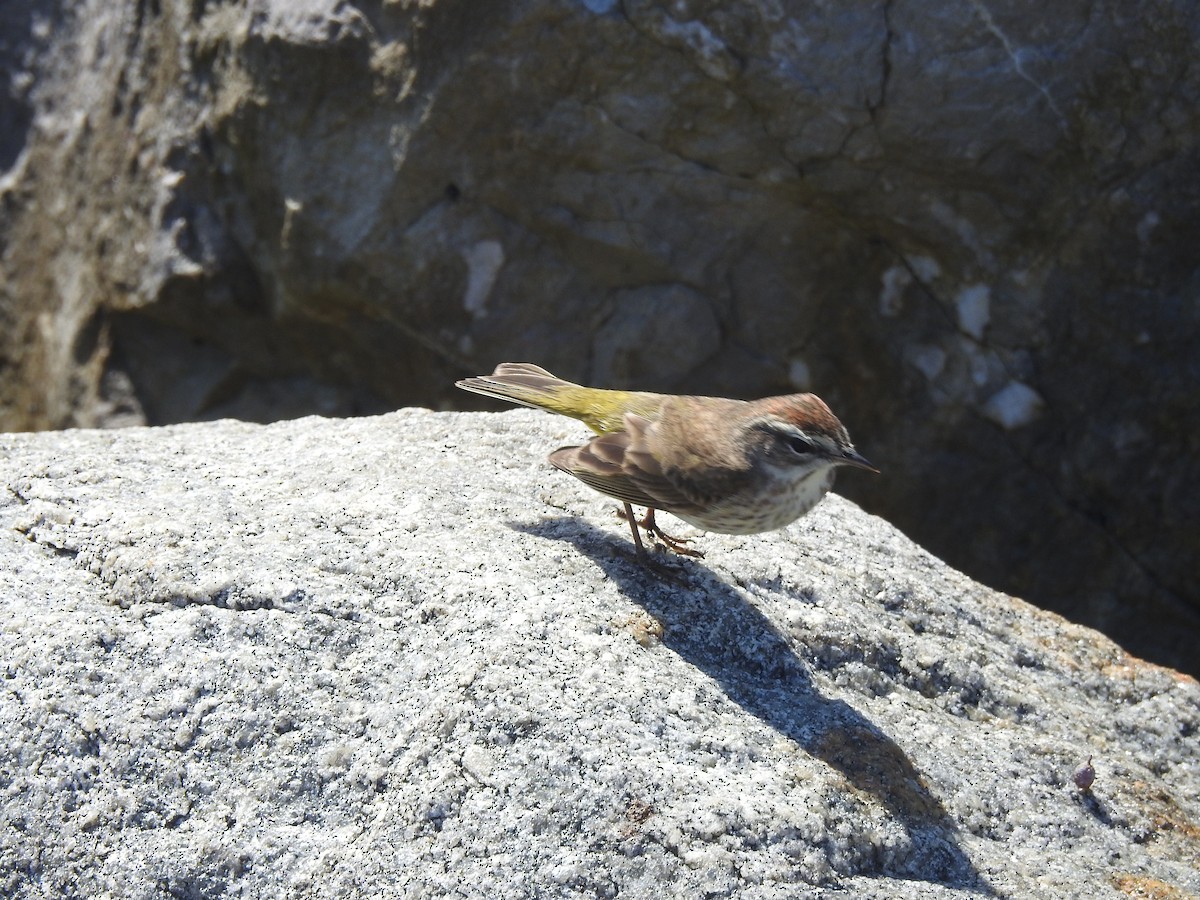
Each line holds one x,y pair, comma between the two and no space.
972,229
401,656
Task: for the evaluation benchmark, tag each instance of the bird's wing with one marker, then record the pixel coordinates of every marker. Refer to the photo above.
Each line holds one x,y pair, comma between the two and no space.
597,464
645,469
620,465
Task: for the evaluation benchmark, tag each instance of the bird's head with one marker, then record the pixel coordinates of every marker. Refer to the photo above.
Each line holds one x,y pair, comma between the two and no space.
799,431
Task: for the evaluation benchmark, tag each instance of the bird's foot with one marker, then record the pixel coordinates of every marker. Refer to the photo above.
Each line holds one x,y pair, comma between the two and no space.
674,544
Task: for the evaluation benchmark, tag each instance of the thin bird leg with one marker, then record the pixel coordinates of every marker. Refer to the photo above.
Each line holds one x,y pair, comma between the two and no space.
672,543
633,526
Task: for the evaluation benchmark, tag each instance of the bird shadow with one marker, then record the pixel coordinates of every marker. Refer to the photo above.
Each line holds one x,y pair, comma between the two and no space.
715,628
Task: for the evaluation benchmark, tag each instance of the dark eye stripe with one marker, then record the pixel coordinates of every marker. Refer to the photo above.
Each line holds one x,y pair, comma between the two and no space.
800,445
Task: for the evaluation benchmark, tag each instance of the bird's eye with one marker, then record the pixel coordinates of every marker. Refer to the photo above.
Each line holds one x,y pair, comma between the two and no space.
800,445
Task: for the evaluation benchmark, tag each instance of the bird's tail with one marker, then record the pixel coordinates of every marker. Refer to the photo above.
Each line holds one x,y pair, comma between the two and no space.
531,385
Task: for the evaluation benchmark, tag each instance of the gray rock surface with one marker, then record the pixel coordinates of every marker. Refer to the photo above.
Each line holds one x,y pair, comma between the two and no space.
971,229
402,657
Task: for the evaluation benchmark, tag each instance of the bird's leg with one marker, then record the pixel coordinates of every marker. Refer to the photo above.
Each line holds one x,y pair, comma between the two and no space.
672,544
628,516
657,564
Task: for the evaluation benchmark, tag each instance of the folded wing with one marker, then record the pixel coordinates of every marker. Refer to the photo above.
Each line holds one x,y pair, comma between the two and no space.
621,465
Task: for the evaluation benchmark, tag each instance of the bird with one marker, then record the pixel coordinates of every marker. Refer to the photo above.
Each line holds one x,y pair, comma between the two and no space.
722,465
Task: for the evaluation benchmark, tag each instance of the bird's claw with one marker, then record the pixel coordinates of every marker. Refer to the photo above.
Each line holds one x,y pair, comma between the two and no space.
660,537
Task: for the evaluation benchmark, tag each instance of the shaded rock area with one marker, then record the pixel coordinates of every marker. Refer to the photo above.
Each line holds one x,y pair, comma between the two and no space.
971,229
400,656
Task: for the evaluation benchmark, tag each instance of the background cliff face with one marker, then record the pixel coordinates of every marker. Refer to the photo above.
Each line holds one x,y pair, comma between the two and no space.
973,230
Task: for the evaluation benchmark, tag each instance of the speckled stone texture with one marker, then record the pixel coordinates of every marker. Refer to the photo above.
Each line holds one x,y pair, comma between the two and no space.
971,228
403,657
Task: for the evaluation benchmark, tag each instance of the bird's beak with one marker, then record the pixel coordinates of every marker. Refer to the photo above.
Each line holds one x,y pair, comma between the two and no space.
853,458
